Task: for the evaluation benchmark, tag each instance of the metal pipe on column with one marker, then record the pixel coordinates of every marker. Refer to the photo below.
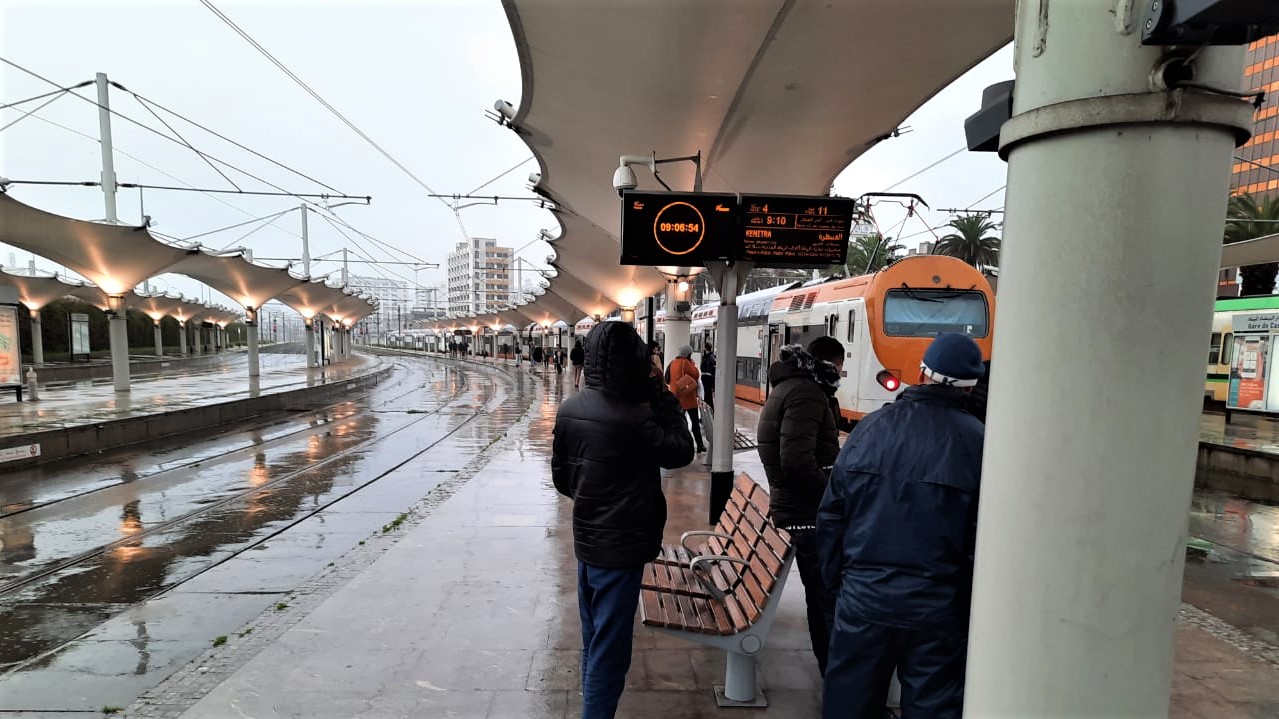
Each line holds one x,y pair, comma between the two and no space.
118,334
677,322
251,328
728,278
310,340
1093,420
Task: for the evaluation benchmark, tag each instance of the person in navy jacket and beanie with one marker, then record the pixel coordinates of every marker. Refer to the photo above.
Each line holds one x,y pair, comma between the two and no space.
611,441
896,535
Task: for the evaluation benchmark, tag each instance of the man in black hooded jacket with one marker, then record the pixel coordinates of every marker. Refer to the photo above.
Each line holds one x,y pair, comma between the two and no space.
798,440
611,439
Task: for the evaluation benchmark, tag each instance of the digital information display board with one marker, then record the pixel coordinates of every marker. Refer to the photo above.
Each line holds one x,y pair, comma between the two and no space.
795,231
677,228
688,229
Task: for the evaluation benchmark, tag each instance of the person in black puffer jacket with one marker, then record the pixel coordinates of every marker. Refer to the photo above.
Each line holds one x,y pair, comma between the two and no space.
798,440
611,439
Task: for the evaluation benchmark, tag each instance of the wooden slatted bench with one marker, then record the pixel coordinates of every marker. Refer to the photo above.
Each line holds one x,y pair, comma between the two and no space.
721,588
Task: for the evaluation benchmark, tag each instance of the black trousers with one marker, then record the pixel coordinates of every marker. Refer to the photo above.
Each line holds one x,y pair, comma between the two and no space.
695,418
820,603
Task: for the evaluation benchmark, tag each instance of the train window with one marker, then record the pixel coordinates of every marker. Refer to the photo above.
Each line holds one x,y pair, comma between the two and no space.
1227,348
1214,348
852,325
927,312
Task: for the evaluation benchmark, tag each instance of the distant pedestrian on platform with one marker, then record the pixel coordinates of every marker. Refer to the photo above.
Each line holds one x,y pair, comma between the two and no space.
655,356
708,376
610,441
682,377
896,534
798,443
577,356
535,359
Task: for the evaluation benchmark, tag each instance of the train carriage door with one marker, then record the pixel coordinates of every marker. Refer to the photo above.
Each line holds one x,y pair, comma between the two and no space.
855,347
778,336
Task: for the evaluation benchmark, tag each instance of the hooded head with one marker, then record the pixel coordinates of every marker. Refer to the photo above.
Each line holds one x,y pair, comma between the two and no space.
617,361
685,351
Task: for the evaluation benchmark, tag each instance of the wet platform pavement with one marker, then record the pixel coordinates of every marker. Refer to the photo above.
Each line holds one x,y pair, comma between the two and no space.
89,401
469,610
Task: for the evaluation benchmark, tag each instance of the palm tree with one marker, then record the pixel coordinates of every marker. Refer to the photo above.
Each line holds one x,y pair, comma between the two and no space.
1247,219
971,241
870,253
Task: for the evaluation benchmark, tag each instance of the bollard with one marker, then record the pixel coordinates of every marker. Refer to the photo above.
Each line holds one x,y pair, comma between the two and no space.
33,393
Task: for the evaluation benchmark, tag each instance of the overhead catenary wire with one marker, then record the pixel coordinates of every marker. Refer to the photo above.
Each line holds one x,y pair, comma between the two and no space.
144,163
148,101
325,103
187,143
1257,164
59,91
930,166
152,130
29,113
517,166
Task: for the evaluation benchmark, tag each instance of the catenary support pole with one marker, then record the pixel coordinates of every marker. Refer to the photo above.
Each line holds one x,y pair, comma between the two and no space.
118,333
37,339
1116,196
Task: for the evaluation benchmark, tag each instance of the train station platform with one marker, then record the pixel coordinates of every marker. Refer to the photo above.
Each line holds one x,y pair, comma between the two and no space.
75,417
469,610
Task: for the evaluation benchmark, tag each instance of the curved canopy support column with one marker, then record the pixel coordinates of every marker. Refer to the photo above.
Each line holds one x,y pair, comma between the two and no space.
37,339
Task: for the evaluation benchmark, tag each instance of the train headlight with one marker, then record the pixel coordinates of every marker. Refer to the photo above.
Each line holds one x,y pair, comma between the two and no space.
888,381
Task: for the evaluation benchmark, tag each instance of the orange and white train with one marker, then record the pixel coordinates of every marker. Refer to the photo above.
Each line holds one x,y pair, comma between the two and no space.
885,321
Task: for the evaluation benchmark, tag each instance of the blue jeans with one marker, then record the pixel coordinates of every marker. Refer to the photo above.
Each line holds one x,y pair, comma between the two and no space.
607,599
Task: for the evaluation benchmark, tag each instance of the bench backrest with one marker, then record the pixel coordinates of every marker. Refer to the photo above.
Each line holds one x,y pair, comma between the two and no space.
758,542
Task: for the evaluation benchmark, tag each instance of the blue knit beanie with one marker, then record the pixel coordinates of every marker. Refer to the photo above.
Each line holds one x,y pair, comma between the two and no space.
953,360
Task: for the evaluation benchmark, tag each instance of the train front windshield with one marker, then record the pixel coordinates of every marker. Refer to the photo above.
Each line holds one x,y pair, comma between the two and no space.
928,312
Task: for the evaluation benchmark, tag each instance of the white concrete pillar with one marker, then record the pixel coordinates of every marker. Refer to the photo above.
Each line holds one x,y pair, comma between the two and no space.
252,331
197,337
159,340
37,339
676,324
1116,199
310,342
182,338
118,335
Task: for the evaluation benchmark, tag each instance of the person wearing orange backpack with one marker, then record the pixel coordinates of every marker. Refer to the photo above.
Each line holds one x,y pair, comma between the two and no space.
683,377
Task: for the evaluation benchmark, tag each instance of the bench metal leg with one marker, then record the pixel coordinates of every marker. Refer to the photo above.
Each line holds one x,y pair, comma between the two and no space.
740,688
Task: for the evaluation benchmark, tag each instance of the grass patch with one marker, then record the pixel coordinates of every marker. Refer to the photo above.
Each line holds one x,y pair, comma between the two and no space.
112,710
219,641
280,606
246,632
395,523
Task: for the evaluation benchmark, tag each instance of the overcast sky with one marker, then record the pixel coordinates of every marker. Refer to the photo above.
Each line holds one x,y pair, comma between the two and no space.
414,75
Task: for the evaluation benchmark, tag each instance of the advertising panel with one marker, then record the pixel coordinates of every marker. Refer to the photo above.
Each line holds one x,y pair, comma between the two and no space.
79,334
1248,372
10,352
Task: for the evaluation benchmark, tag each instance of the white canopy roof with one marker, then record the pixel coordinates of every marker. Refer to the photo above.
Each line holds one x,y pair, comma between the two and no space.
310,298
157,306
778,96
234,276
114,257
36,289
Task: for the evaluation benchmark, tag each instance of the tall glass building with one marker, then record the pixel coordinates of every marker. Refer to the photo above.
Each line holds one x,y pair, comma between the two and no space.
1261,73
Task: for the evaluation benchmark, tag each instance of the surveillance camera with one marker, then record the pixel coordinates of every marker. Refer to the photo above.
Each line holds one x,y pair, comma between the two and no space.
624,179
505,109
